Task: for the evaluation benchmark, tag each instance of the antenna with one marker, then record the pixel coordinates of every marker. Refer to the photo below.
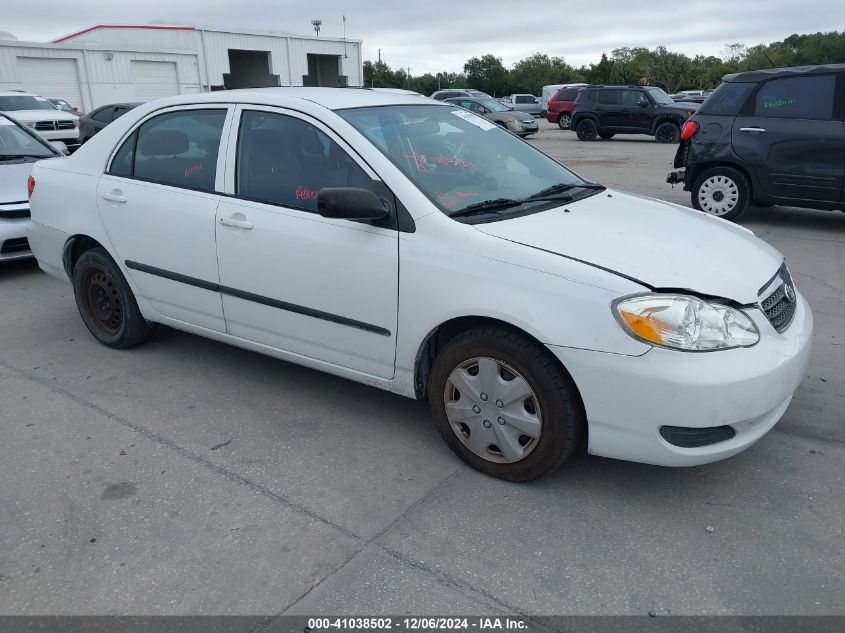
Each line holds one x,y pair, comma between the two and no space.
316,24
344,38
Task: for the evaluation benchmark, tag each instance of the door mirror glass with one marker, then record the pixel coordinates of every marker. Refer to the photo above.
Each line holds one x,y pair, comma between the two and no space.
60,146
350,203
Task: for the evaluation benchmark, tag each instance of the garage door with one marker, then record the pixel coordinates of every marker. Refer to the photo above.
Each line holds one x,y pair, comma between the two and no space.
154,80
51,78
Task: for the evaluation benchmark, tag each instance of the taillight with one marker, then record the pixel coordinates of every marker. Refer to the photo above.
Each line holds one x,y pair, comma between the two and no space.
30,186
688,130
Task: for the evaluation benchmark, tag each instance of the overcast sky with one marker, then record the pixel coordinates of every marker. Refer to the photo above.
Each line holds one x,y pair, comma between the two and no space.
434,35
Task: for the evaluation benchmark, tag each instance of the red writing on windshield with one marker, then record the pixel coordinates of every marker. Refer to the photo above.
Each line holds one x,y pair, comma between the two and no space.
424,164
303,193
455,194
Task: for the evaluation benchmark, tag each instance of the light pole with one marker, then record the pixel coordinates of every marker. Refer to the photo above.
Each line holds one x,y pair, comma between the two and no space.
316,24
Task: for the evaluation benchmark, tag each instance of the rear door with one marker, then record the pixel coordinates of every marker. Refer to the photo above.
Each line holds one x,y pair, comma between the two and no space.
792,135
609,109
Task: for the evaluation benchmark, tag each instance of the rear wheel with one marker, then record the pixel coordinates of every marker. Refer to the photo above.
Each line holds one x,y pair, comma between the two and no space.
721,191
587,130
564,121
667,133
106,303
503,405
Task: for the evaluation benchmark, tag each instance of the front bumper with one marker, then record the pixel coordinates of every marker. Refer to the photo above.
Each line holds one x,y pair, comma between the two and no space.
629,398
13,242
524,128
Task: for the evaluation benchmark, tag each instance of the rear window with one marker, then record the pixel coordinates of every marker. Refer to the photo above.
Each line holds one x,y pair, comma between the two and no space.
566,95
727,99
607,97
797,98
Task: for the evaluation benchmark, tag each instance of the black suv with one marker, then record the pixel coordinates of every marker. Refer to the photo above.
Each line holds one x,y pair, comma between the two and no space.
604,111
767,137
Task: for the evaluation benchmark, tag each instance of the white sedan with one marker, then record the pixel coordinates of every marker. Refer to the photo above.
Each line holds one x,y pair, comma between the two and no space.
416,247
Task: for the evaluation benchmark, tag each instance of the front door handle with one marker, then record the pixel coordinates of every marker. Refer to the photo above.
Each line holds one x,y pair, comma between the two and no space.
751,129
115,195
237,223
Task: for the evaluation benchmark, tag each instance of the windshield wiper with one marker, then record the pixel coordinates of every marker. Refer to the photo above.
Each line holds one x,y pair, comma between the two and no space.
20,156
563,187
487,205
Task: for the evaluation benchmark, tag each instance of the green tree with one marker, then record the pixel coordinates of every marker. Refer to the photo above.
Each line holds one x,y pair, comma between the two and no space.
487,74
538,70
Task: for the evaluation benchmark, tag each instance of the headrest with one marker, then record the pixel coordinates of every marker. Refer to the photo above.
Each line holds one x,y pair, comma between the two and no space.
163,143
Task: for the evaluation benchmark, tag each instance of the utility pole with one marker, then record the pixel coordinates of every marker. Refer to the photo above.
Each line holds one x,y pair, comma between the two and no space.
379,56
408,78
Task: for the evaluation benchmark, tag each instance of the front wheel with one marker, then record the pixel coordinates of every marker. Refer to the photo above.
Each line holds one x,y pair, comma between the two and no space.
564,121
503,405
587,130
721,191
106,303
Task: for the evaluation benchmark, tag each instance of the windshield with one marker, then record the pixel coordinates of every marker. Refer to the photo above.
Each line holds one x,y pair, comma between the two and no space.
659,97
16,142
24,102
495,106
457,158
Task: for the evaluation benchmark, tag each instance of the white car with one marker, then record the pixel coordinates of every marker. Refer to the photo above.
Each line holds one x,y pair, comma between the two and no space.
416,247
41,115
20,148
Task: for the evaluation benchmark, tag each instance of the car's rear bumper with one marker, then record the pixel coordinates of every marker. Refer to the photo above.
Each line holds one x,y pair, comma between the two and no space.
48,245
629,398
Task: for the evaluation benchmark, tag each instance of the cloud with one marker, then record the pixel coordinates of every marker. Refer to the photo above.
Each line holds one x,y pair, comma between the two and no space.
440,35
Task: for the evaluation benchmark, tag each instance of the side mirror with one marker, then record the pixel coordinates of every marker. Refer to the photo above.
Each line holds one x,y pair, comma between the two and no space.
350,203
60,146
645,104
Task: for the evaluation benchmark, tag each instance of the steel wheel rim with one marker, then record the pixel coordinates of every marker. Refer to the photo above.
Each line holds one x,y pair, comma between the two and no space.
718,195
102,302
565,121
493,410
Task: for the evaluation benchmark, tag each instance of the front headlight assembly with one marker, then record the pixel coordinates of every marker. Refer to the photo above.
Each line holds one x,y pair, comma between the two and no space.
684,322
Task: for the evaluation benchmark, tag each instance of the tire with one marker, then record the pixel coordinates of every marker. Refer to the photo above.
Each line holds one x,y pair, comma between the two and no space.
106,303
552,410
607,135
564,121
587,130
667,133
721,191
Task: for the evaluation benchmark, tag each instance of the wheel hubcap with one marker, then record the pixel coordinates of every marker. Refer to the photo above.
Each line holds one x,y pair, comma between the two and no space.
493,410
103,302
565,121
718,195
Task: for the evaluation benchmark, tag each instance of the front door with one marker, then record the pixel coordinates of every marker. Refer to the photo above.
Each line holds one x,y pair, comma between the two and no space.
639,111
322,288
794,139
158,202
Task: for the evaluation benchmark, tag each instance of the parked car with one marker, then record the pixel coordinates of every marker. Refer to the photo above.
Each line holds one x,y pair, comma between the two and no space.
19,149
64,106
419,248
96,120
604,111
561,106
767,137
38,113
519,123
681,97
524,103
549,91
442,95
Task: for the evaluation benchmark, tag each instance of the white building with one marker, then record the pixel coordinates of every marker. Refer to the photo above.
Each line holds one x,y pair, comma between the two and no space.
114,63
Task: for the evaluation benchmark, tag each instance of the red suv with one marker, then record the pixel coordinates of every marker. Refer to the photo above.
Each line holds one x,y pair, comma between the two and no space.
561,106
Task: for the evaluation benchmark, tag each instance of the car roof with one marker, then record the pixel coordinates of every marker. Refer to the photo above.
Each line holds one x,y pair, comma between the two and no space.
770,73
133,104
330,98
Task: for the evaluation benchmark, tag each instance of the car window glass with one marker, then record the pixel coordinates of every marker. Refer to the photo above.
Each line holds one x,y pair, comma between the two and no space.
121,164
180,148
569,95
103,115
727,99
797,98
523,99
14,140
633,97
284,160
471,105
608,97
119,112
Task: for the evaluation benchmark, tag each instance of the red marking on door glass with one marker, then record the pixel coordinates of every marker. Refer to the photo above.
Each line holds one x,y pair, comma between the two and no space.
303,193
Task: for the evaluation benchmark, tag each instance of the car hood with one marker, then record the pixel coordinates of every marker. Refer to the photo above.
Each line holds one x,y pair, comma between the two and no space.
42,115
659,244
516,114
13,181
682,106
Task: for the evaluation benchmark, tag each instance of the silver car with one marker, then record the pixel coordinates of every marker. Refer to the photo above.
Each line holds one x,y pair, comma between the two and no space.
524,103
517,122
19,149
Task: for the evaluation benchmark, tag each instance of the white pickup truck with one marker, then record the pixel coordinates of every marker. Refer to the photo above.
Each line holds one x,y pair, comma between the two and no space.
37,113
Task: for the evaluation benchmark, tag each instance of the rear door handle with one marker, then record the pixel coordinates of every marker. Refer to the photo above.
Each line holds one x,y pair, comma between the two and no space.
237,223
751,129
115,195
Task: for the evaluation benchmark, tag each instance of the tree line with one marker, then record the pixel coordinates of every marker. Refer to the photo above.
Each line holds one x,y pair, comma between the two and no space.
660,66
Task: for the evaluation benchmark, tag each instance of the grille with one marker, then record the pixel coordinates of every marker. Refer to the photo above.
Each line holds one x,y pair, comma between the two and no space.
65,125
54,125
15,245
9,214
779,305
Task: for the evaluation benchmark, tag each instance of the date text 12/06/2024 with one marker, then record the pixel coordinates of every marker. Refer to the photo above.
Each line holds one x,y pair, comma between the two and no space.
481,623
